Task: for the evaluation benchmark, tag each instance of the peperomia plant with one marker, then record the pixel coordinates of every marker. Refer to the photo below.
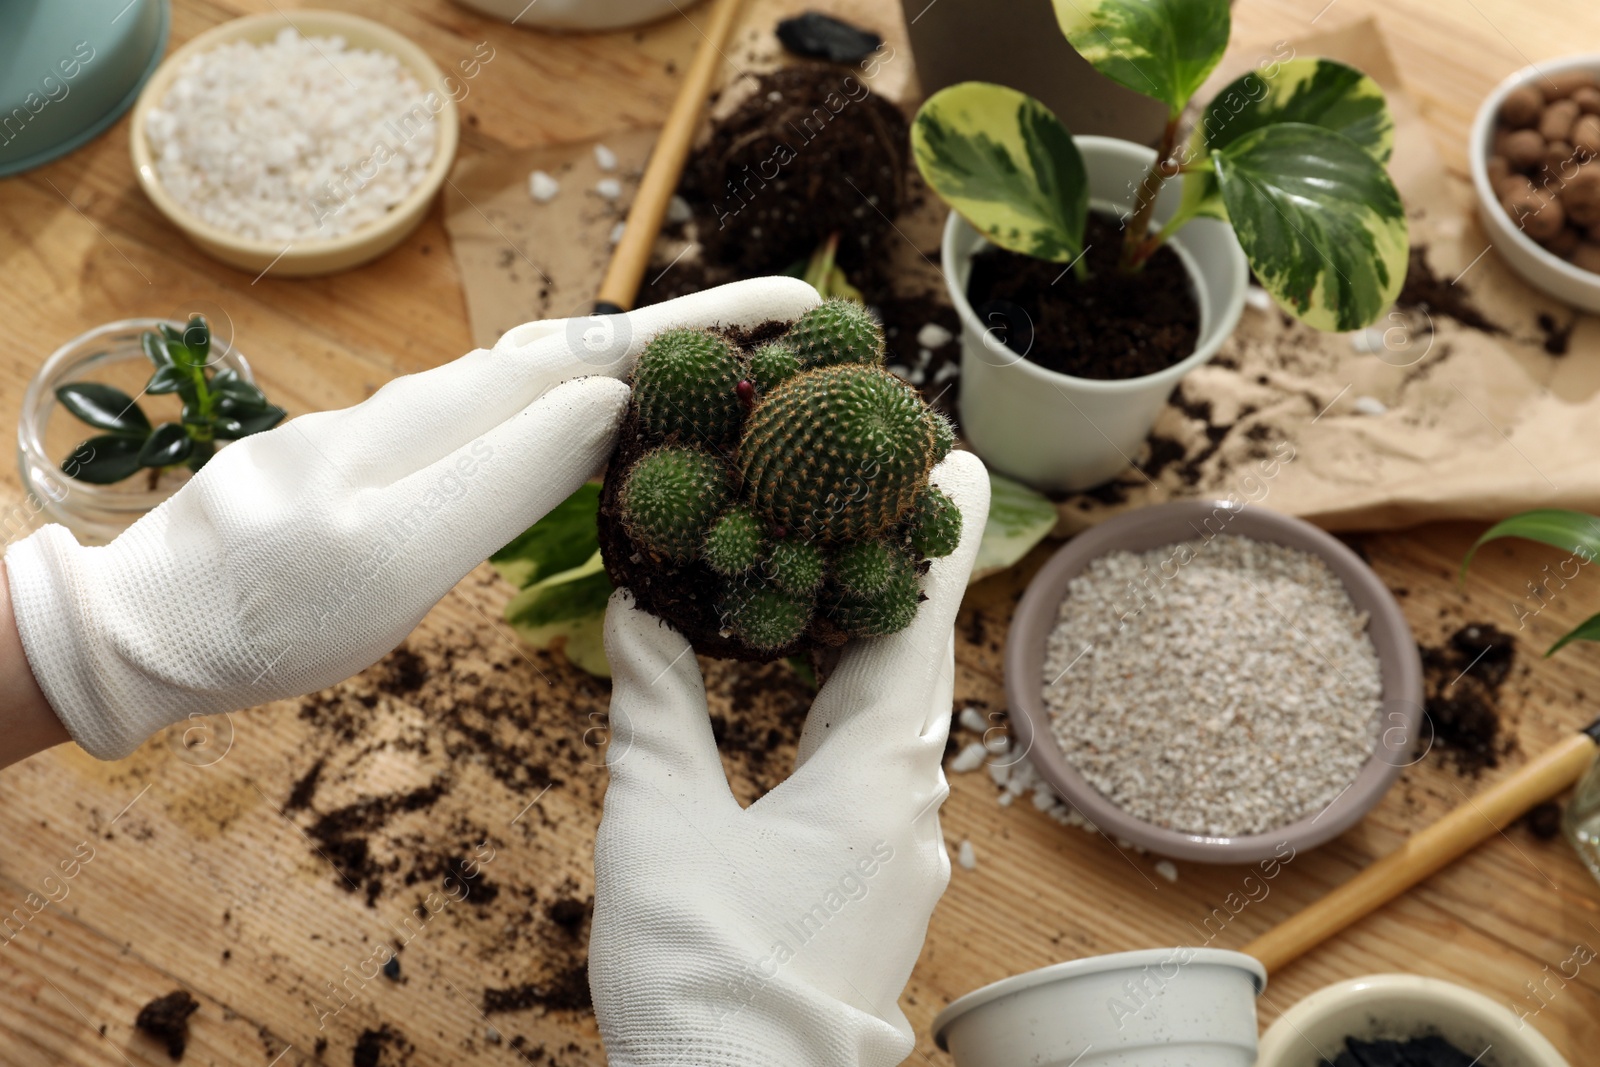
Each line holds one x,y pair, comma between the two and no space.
218,406
1291,154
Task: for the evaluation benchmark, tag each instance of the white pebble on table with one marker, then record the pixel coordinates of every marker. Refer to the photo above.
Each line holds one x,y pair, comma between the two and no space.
678,210
932,335
609,188
1198,708
604,158
967,856
1168,870
1369,405
543,187
970,758
972,719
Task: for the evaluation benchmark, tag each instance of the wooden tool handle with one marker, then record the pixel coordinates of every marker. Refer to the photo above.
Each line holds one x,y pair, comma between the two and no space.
1426,851
620,286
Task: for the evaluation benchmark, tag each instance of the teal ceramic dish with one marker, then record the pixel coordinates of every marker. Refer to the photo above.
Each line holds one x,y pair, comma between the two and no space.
69,69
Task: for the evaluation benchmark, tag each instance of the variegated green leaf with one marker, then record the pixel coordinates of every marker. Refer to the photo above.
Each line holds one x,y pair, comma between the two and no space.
1321,92
1161,48
1319,220
1019,518
568,607
1001,159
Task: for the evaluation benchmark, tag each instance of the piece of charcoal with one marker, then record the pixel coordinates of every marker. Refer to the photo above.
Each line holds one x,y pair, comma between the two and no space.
819,36
167,1020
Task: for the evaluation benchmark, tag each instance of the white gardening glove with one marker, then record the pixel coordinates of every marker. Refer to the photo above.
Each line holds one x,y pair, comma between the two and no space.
300,556
781,934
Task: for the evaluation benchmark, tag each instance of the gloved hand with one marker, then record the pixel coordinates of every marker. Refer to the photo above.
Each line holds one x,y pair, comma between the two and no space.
781,934
300,556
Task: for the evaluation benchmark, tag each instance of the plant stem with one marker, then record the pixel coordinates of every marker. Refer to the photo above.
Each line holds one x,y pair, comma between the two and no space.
1135,237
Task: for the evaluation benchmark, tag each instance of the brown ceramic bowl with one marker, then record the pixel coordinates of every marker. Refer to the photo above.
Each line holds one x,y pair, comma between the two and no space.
1166,524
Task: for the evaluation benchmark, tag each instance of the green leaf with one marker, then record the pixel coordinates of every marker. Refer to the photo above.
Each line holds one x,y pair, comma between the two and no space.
203,451
1319,220
155,349
1161,48
230,429
1019,518
569,608
1319,92
197,338
1587,630
1001,159
104,460
173,335
565,538
1570,531
168,379
168,445
103,407
238,390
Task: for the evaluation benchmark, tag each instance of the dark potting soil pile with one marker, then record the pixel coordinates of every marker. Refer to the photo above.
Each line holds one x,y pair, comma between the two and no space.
1414,1052
372,1045
821,157
167,1020
812,152
1420,1051
1462,680
451,741
1110,325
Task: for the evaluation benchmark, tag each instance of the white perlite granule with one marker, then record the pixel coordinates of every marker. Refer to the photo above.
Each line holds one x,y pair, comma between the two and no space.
1222,687
292,138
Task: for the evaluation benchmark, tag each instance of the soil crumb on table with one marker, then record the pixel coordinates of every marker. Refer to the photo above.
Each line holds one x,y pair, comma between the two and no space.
1463,678
383,1047
167,1020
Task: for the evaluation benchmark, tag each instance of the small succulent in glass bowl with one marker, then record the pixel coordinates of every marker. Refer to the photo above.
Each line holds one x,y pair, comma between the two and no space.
218,405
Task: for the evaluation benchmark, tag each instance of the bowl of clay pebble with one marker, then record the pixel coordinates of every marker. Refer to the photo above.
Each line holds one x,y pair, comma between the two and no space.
1535,157
297,143
1214,682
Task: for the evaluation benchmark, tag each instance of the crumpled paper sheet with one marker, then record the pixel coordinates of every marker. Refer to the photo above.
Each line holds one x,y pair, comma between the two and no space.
1473,425
1466,424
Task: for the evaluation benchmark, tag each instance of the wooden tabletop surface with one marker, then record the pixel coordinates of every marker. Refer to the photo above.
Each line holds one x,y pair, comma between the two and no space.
260,870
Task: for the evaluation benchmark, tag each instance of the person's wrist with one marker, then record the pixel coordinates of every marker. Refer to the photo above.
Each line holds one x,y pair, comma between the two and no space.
29,723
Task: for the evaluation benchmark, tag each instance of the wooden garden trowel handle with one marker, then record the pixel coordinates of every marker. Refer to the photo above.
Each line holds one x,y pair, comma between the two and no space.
620,287
1427,851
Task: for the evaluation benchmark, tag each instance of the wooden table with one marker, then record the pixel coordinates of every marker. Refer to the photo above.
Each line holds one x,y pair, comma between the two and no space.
203,876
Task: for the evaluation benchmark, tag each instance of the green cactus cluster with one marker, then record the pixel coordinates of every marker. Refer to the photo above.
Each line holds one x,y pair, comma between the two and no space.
797,473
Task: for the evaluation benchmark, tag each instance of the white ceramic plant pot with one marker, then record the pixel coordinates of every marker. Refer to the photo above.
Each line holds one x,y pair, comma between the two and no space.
1401,1006
1057,432
1164,1007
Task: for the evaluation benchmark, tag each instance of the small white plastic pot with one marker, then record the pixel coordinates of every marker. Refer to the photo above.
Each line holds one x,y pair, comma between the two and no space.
1164,1007
1060,433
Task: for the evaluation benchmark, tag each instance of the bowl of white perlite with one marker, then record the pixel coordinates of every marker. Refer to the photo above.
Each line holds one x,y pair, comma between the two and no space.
1214,682
297,143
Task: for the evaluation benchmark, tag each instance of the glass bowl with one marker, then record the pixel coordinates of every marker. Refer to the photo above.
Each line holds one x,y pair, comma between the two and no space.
109,354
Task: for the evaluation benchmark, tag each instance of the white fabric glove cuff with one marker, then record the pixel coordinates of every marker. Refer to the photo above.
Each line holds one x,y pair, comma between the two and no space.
93,695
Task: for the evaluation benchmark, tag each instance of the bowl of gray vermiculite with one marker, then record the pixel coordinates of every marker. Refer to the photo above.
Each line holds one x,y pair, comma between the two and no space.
1214,683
